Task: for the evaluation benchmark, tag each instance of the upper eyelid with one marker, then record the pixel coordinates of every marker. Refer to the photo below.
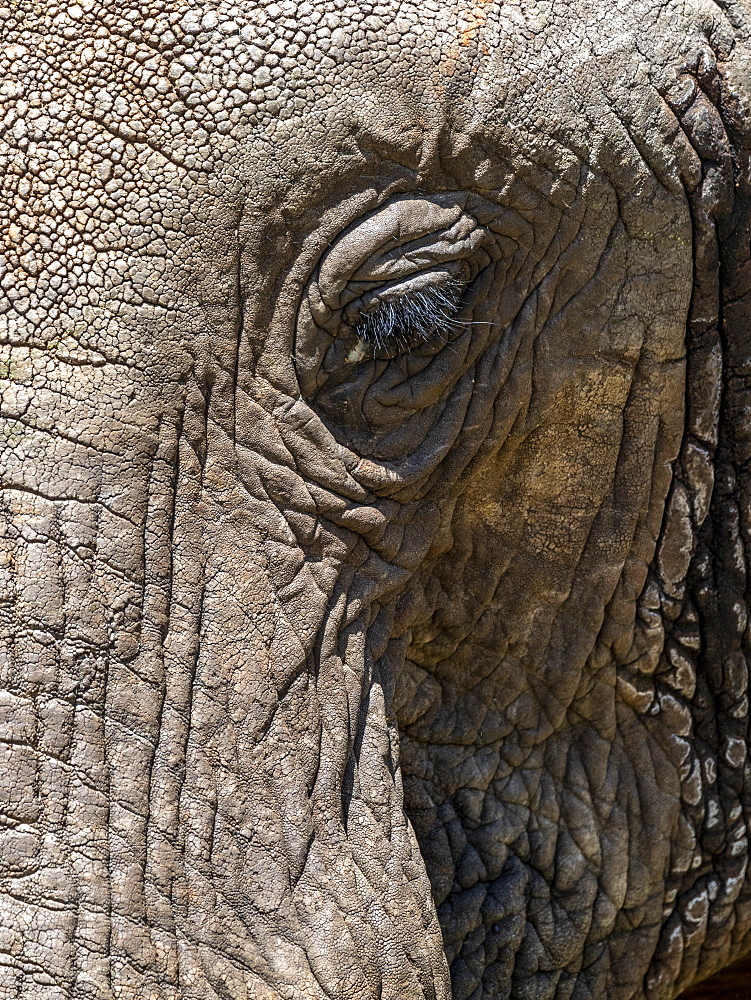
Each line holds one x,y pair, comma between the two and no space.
367,251
383,268
432,248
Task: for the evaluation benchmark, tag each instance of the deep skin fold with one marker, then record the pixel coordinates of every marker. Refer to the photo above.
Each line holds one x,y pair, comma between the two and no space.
249,630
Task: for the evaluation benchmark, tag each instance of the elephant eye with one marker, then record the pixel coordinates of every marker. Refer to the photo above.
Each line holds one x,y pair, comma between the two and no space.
394,286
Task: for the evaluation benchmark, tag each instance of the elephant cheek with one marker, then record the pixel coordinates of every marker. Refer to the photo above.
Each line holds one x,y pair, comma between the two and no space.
194,737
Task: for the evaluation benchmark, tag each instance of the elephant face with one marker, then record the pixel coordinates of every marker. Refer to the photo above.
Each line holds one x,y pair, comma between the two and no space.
374,498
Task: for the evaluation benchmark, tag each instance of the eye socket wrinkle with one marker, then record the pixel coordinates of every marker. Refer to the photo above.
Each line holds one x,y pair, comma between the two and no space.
414,318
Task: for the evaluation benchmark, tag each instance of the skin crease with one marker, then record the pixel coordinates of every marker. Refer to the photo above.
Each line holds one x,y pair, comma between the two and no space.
330,672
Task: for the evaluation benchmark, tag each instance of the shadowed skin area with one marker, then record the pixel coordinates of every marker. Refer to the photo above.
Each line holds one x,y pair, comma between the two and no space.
375,499
732,984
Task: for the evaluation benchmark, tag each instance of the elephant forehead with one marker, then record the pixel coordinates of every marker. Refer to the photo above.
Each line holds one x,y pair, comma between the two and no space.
306,87
443,89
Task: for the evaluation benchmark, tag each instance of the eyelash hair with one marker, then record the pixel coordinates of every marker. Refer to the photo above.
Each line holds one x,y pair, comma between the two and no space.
415,318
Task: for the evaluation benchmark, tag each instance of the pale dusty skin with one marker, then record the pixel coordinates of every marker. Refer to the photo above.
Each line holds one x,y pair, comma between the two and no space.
374,453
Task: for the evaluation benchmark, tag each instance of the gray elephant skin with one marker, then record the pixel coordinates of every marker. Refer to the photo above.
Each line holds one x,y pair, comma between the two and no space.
376,498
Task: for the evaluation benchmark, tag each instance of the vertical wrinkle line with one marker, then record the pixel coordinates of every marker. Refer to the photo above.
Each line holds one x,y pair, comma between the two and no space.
239,326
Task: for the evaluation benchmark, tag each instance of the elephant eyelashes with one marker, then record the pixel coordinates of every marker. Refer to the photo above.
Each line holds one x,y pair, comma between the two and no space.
399,324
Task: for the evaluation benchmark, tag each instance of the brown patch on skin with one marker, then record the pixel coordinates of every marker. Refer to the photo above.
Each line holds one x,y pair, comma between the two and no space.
473,20
448,66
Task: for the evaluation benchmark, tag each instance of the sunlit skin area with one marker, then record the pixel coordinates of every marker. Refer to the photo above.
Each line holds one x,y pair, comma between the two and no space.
375,499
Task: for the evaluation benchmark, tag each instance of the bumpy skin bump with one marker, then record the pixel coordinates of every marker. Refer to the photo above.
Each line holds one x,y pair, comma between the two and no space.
375,499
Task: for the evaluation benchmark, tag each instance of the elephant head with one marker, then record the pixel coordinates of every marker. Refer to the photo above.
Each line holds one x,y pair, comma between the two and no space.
375,498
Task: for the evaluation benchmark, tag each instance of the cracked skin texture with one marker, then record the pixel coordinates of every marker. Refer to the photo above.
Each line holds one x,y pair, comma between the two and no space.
339,672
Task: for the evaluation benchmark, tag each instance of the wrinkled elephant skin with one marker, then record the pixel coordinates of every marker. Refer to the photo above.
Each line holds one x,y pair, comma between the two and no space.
375,499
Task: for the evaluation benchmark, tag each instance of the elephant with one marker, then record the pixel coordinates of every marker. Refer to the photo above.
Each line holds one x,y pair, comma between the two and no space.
376,498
